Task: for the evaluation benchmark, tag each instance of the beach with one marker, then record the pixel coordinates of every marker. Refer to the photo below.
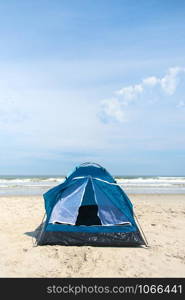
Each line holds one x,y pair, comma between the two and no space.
160,215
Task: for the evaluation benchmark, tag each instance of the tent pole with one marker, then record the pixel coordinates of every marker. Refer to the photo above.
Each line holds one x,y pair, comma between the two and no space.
145,239
38,236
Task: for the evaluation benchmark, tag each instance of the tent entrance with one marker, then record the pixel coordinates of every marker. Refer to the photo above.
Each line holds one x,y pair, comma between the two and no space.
88,211
87,215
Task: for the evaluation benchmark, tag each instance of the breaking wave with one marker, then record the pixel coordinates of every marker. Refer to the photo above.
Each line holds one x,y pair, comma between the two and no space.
40,184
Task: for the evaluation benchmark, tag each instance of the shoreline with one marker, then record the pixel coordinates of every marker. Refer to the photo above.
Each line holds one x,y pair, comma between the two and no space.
153,195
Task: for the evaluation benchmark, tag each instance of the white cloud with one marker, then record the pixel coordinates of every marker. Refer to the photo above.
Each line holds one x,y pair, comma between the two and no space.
112,108
130,92
170,81
150,81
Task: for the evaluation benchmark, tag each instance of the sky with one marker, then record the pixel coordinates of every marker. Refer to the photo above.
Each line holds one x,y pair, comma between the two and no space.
100,81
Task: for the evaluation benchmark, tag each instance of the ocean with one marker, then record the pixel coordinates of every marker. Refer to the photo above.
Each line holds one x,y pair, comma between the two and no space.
37,185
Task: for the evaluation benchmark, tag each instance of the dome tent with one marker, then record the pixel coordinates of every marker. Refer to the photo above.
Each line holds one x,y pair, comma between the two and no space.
89,208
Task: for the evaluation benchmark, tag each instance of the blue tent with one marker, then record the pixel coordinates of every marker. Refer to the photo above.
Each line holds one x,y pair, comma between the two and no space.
89,208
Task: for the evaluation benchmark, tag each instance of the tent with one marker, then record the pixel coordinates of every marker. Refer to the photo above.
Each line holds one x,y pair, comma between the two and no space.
89,208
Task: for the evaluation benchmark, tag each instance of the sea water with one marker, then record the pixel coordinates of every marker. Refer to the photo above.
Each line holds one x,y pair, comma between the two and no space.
37,185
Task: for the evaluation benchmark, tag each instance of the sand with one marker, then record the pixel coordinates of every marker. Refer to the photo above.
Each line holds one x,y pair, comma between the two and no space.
161,216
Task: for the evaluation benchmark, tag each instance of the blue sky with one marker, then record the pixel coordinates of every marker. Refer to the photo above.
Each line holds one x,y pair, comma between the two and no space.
100,81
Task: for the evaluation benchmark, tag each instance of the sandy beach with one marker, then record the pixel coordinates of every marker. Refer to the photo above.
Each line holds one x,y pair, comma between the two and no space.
161,216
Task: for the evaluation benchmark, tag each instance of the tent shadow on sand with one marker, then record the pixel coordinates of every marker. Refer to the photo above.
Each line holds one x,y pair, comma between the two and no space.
35,233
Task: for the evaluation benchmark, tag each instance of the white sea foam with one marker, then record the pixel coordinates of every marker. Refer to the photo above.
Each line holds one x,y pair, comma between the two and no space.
153,181
13,184
38,185
34,179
